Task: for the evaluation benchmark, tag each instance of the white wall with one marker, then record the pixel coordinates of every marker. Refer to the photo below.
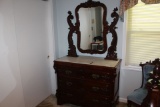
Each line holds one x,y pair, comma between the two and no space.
26,41
129,79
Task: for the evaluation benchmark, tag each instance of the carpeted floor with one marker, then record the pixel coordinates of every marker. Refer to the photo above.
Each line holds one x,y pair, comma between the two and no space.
51,102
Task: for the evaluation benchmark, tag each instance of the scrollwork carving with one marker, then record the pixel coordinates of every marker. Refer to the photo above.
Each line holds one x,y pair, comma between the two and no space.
72,49
112,55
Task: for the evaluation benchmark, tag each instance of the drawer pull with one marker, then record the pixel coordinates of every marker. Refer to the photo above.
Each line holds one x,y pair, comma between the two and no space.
68,72
96,101
81,70
95,76
105,90
105,77
106,98
69,95
69,83
95,88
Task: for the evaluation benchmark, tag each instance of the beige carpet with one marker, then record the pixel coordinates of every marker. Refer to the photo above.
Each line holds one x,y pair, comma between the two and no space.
51,102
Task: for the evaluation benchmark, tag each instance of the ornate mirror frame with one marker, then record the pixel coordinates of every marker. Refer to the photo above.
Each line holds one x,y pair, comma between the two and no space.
112,55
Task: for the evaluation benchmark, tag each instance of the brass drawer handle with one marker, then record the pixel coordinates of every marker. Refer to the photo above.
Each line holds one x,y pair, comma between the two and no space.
81,70
96,101
69,95
95,88
105,77
105,90
95,76
68,72
106,99
69,83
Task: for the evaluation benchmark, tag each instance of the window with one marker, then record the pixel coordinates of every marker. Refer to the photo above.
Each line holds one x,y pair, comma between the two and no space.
143,34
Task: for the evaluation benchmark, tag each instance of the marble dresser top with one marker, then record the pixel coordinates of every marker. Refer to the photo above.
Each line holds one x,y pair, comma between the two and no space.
89,60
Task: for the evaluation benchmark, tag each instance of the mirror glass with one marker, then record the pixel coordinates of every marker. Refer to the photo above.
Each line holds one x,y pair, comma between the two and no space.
91,28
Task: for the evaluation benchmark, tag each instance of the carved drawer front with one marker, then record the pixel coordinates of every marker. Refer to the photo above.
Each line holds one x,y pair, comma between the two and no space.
69,83
97,100
100,75
71,71
99,87
69,97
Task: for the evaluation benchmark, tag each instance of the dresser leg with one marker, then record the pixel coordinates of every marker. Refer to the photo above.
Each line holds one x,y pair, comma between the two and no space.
59,102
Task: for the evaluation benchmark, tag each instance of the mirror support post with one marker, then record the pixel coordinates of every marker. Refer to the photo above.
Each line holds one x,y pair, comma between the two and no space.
112,55
72,49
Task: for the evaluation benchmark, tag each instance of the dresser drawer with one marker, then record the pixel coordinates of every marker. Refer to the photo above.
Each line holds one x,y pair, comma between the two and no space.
99,87
97,99
69,97
69,83
100,75
70,71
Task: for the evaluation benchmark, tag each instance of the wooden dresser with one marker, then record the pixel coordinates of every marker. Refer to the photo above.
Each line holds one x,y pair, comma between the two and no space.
87,81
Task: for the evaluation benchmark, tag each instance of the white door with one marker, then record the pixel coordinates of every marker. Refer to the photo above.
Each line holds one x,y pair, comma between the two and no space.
11,92
85,27
31,22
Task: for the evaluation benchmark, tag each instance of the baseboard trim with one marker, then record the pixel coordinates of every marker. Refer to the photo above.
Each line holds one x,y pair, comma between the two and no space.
124,100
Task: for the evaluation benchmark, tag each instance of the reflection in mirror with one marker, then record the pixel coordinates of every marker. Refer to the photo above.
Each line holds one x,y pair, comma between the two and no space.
91,28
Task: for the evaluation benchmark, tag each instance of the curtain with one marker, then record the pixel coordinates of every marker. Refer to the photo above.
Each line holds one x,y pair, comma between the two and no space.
127,4
151,1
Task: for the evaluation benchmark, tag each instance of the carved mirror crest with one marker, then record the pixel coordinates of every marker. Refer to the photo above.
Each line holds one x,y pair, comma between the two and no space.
91,29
